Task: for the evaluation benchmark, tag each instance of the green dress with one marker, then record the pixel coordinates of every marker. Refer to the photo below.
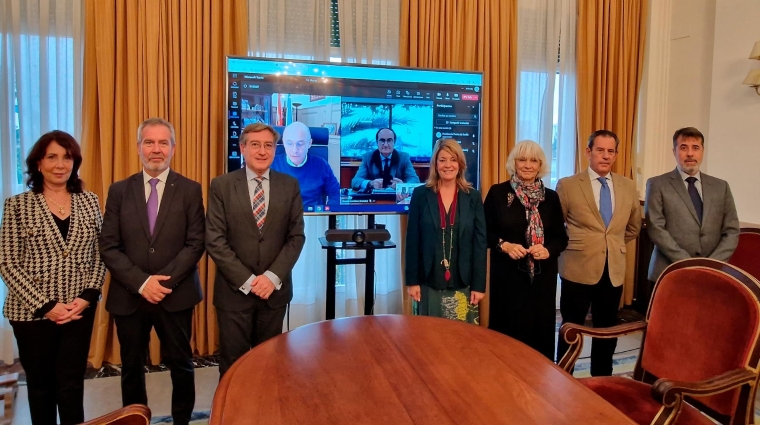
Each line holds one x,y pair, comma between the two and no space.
448,299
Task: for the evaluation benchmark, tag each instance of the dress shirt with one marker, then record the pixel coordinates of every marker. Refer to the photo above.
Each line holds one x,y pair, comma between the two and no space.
160,189
382,168
252,183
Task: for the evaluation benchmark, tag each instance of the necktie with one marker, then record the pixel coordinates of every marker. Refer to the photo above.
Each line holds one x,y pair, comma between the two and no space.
694,195
387,164
259,203
605,202
152,204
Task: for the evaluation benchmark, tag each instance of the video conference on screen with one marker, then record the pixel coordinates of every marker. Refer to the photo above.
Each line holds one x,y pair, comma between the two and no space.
331,118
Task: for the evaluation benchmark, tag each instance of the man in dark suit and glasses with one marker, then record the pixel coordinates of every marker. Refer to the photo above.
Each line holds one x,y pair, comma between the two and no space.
385,166
689,214
254,233
152,239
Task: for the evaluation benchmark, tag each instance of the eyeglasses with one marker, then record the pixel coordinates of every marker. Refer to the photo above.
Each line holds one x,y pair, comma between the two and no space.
386,141
257,145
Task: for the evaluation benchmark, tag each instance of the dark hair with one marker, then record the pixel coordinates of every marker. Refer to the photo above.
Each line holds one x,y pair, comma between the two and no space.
602,133
386,128
688,133
35,179
258,127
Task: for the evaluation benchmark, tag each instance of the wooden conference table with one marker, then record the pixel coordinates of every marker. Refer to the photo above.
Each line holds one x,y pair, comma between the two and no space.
398,370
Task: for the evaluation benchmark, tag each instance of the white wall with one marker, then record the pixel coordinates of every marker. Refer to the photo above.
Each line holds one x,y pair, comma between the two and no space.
733,139
691,58
707,49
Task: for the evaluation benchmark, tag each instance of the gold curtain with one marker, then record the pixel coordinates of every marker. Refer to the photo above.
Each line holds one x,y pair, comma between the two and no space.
157,58
471,35
610,63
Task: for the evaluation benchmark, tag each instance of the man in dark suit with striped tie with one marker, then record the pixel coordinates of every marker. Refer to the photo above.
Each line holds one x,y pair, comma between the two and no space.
254,233
152,239
689,214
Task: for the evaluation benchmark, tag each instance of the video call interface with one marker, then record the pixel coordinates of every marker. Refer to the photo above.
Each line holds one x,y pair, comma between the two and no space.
334,123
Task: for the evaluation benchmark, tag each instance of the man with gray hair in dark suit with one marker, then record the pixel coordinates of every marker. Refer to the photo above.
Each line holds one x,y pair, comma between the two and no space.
688,213
152,239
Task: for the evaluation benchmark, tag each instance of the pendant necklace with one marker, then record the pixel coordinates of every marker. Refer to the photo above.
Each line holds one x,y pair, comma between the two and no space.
61,208
446,262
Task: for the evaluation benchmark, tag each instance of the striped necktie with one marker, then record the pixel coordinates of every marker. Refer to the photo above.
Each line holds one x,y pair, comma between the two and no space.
259,203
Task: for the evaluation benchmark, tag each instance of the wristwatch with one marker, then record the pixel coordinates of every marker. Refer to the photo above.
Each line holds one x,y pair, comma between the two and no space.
500,245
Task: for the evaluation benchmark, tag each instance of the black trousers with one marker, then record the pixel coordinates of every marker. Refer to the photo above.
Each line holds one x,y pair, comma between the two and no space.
239,331
174,330
604,300
54,358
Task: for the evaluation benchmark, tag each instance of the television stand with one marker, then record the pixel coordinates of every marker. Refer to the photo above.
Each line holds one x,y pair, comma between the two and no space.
333,262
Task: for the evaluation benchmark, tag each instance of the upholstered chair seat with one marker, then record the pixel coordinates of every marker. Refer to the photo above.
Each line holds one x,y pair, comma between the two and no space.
634,398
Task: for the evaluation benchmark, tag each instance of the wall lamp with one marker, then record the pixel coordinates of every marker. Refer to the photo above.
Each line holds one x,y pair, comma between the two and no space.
753,77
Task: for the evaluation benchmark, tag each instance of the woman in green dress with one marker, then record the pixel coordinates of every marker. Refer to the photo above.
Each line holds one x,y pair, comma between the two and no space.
446,240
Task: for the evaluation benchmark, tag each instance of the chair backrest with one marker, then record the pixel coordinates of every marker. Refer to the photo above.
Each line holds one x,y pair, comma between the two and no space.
134,414
745,256
703,320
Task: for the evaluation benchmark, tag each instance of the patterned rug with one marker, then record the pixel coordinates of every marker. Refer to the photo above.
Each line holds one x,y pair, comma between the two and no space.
198,418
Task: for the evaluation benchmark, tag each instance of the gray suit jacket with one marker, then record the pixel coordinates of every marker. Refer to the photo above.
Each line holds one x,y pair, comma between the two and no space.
673,225
237,246
371,168
132,254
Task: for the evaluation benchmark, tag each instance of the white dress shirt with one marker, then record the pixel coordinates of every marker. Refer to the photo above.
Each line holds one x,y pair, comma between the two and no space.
160,189
252,183
697,183
596,186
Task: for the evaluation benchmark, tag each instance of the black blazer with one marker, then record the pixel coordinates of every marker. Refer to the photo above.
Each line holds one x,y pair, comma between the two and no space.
425,224
237,246
132,255
506,220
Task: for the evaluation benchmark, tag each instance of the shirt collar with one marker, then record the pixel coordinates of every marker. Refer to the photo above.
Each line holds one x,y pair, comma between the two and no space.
685,176
382,157
161,177
250,174
305,158
594,176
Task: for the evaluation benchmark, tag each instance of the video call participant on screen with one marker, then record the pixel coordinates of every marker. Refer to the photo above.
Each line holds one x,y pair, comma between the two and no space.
315,177
385,166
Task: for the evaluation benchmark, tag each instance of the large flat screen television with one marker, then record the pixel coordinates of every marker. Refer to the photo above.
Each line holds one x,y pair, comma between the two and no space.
359,138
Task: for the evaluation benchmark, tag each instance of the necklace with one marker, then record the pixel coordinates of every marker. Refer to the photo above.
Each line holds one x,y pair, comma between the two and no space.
61,208
453,211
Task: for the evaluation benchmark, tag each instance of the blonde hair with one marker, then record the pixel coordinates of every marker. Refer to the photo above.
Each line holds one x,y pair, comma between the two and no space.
452,147
258,127
528,149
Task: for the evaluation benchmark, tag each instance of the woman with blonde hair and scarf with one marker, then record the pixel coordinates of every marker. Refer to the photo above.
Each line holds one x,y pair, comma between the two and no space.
526,234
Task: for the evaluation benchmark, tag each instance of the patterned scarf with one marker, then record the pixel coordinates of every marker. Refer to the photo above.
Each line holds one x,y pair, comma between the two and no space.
530,195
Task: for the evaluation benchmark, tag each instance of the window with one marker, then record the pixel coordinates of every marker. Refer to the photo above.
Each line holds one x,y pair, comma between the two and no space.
334,25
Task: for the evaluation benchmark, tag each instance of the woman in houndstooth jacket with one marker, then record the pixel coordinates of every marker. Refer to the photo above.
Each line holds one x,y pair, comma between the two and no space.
50,262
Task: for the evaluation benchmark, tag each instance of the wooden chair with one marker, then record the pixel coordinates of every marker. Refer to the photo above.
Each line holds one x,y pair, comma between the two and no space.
134,414
700,345
746,255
